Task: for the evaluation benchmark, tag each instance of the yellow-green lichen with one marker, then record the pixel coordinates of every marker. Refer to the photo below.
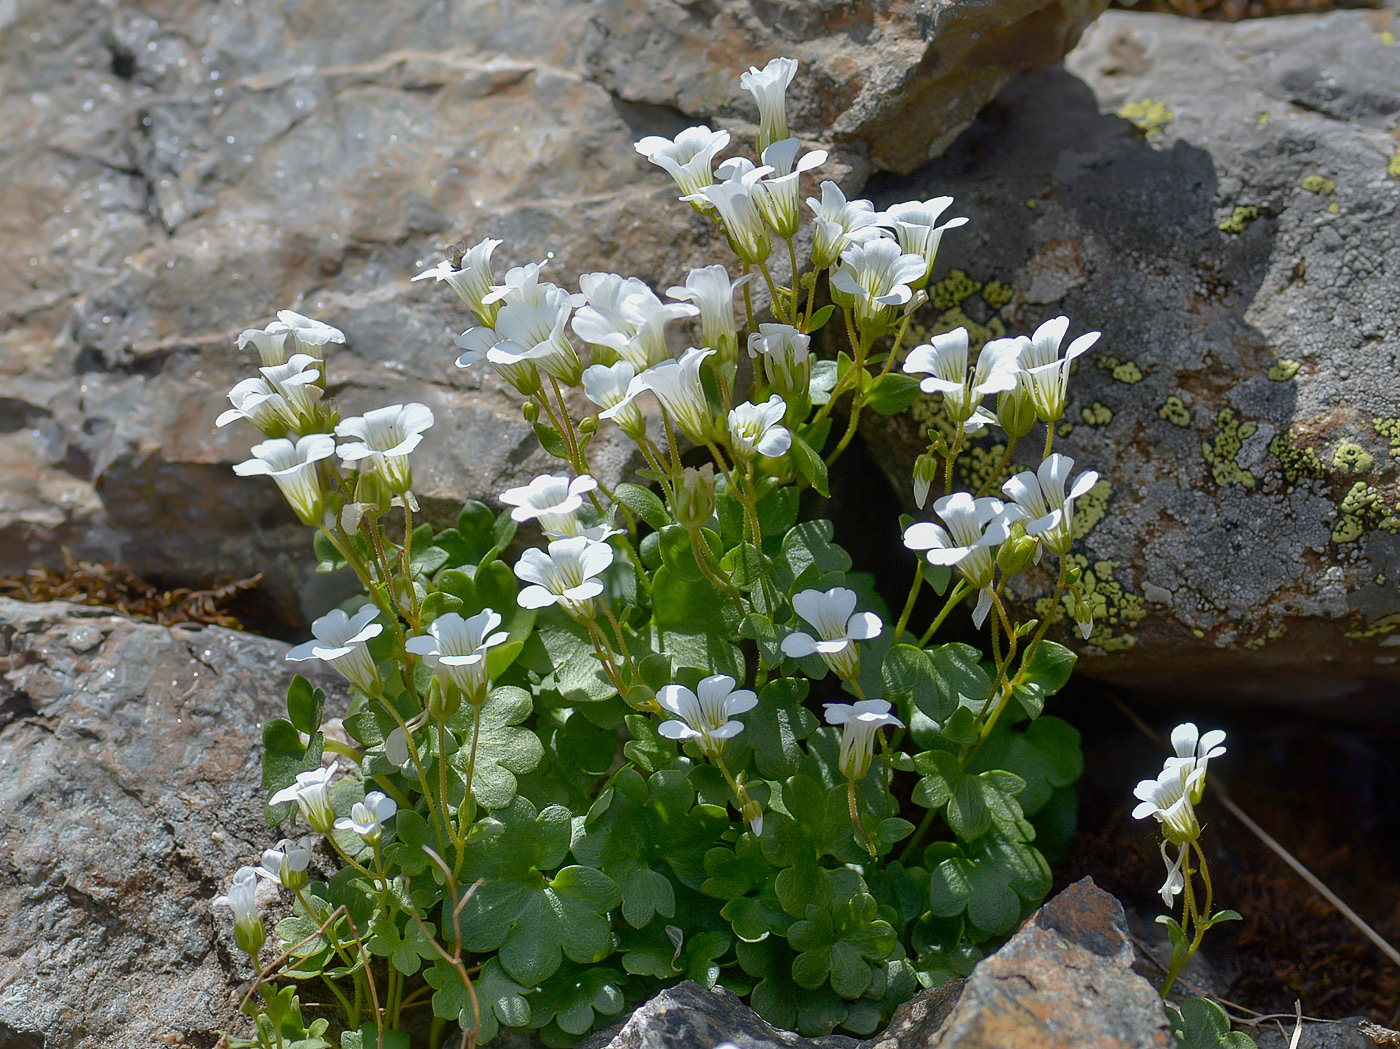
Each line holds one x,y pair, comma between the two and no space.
1174,410
1124,371
1091,508
1220,451
1032,203
1239,219
1320,184
1351,458
1284,369
952,290
1267,637
1262,119
1377,628
1064,429
1097,414
1393,168
978,465
1390,430
1115,608
1148,115
1363,509
1296,460
997,293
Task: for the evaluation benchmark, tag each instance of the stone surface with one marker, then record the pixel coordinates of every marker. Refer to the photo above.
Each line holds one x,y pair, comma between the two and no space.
176,172
1338,1034
1236,237
129,793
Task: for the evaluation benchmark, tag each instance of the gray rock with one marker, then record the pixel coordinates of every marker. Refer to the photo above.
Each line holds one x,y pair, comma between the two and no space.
1238,248
1337,1034
129,792
173,178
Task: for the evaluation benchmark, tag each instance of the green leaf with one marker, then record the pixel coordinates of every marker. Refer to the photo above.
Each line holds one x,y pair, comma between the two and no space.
551,441
326,554
574,998
908,677
841,944
893,394
645,894
437,604
1045,753
777,725
405,948
1201,1024
694,623
823,379
284,757
503,750
810,465
305,705
644,503
959,677
760,629
807,552
1046,673
561,647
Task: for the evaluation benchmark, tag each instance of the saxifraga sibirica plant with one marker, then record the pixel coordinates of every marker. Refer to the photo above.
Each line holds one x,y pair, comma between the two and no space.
680,738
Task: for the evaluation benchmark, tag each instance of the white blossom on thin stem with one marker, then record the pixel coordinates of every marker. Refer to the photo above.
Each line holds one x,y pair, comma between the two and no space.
270,342
552,499
382,439
712,292
1049,509
916,225
472,281
780,201
757,429
568,575
975,528
839,224
256,401
1047,373
737,201
860,722
1167,800
293,467
626,317
874,278
286,863
456,648
477,344
1193,751
614,388
677,386
367,817
343,641
310,336
768,86
297,381
534,332
242,900
838,625
688,158
311,794
944,361
786,360
706,714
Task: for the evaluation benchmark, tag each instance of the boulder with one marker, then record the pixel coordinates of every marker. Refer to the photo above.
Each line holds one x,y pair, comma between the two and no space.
175,177
129,793
1222,202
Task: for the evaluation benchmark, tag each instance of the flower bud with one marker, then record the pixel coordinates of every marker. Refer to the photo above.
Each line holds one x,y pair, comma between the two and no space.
1017,550
925,473
373,494
752,812
531,411
695,497
1016,411
444,701
1082,614
588,425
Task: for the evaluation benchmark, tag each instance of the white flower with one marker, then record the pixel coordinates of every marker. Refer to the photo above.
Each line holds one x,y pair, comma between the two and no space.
478,343
367,817
839,627
1167,800
270,342
614,388
944,360
840,223
383,438
297,381
256,401
875,277
473,281
677,386
786,361
456,649
552,499
780,196
706,714
242,900
861,722
975,527
710,289
756,429
916,225
687,159
286,863
534,332
1047,374
737,201
310,336
343,642
768,86
1176,880
1048,509
567,575
1193,754
293,467
1015,411
310,792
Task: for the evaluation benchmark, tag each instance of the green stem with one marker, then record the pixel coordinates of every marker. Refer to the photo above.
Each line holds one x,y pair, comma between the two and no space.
996,473
1049,440
865,838
918,835
773,292
748,301
955,595
697,549
796,291
908,610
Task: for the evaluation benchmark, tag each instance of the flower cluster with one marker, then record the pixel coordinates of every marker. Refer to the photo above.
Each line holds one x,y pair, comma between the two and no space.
1172,797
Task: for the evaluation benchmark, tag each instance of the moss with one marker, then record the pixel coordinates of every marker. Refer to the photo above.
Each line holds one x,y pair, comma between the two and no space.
996,293
1320,184
1390,430
1174,410
1377,628
1148,115
1220,451
1097,414
1239,219
1116,609
1284,369
1351,458
1297,461
953,290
